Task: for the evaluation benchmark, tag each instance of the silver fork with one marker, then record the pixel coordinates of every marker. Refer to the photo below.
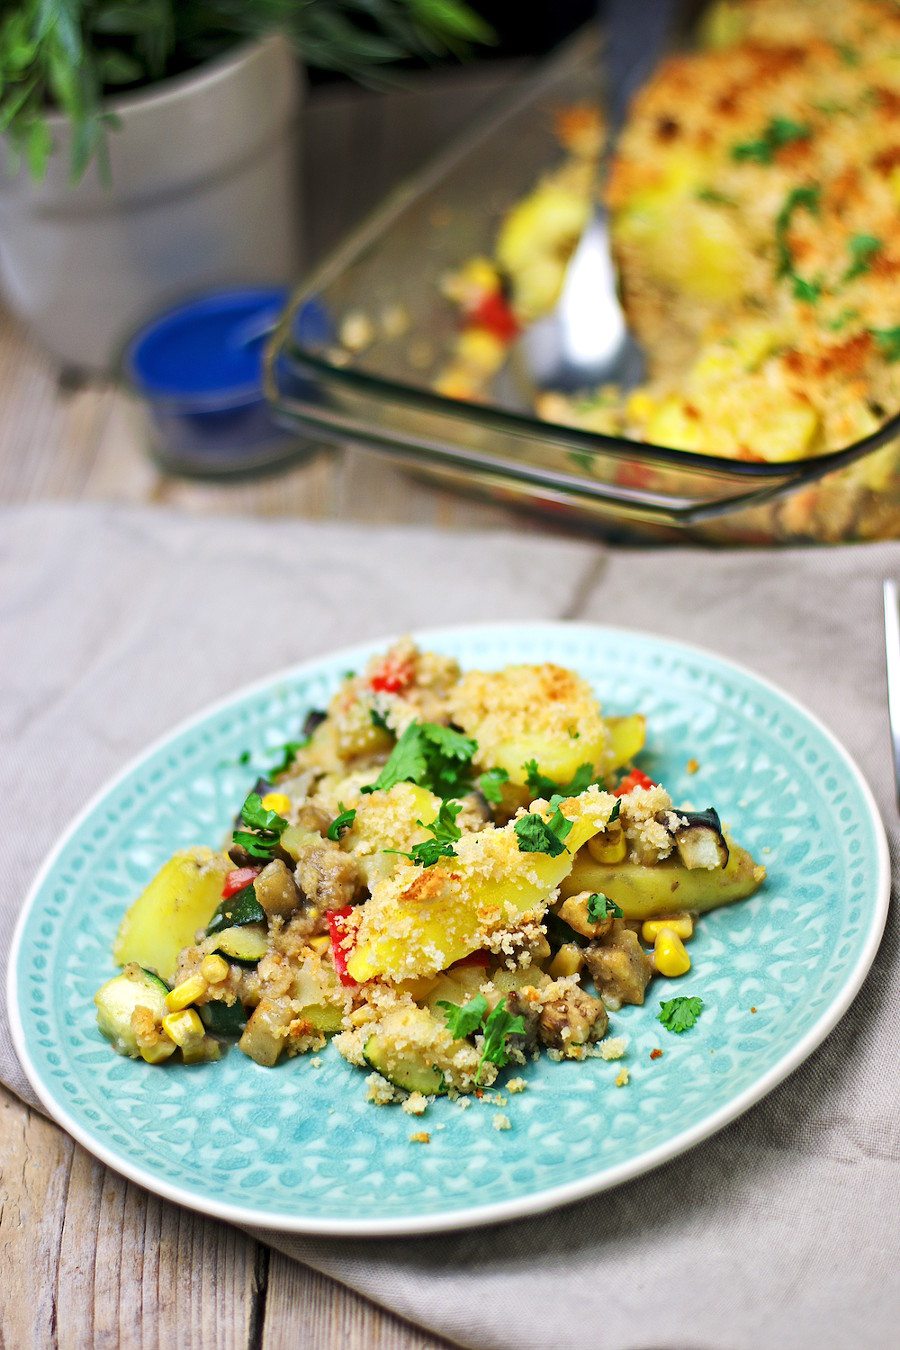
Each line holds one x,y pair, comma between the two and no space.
892,657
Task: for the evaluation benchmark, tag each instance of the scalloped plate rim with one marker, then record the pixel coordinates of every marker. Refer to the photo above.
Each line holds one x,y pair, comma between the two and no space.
534,1202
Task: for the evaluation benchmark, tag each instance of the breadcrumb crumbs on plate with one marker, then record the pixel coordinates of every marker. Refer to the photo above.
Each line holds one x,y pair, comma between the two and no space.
692,765
316,1062
753,1010
464,1103
623,1077
613,1047
501,1122
420,1137
516,1085
656,1053
415,1104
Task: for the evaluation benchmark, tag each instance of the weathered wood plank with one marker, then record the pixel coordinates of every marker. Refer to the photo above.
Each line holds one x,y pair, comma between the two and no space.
304,1309
88,1259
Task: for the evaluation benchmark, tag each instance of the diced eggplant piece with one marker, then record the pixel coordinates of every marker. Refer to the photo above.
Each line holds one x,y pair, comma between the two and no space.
314,719
698,836
276,890
619,966
576,1018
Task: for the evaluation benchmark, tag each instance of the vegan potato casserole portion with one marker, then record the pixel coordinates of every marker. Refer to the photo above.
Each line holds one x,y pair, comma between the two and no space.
449,873
754,200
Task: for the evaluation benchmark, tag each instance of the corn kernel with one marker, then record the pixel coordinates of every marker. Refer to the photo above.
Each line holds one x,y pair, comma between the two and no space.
214,969
185,993
680,923
567,961
320,944
609,847
156,1053
670,954
201,1052
184,1028
276,801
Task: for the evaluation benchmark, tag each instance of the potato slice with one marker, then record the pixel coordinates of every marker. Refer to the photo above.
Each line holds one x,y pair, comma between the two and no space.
388,820
419,921
179,900
641,891
523,713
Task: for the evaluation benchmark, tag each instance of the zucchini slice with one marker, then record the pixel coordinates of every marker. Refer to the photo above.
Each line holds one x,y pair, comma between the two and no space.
250,942
117,999
223,1019
404,1048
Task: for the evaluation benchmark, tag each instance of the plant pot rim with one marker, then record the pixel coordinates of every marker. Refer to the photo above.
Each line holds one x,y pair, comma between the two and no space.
173,88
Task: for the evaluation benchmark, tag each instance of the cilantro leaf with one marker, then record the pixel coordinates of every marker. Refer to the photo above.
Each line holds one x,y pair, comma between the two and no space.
806,198
445,831
489,784
433,756
888,340
463,1020
862,249
614,813
536,835
379,720
259,817
780,131
680,1014
541,786
407,762
266,828
288,753
600,907
340,823
497,1029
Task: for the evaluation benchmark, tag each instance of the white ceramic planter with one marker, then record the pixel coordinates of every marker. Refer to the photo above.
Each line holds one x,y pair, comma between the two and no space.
204,191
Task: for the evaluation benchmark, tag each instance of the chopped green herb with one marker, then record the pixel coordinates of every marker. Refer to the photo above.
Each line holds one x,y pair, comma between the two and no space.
539,785
807,198
266,828
497,1029
780,131
433,756
715,198
680,1014
340,823
446,832
379,720
244,757
288,753
490,783
469,1018
349,675
614,813
888,340
463,1020
841,320
600,907
536,835
239,909
862,249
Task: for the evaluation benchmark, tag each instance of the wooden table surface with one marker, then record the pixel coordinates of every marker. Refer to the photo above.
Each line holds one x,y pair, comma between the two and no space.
88,1259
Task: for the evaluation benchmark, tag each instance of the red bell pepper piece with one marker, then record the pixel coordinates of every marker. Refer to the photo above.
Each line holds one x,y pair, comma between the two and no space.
479,958
393,676
337,928
493,313
636,778
236,881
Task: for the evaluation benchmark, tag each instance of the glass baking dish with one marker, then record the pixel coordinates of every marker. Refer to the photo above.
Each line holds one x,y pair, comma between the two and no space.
383,280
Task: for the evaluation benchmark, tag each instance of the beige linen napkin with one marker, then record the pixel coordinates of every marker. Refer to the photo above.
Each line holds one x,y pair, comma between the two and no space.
782,1230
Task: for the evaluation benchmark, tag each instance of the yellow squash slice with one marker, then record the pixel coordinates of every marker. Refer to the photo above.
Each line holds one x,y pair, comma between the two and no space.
165,917
641,891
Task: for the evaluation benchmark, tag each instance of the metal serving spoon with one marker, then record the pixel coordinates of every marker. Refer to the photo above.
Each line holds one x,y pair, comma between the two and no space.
585,340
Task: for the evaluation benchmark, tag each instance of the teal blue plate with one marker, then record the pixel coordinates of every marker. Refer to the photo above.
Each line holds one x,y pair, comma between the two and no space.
297,1148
